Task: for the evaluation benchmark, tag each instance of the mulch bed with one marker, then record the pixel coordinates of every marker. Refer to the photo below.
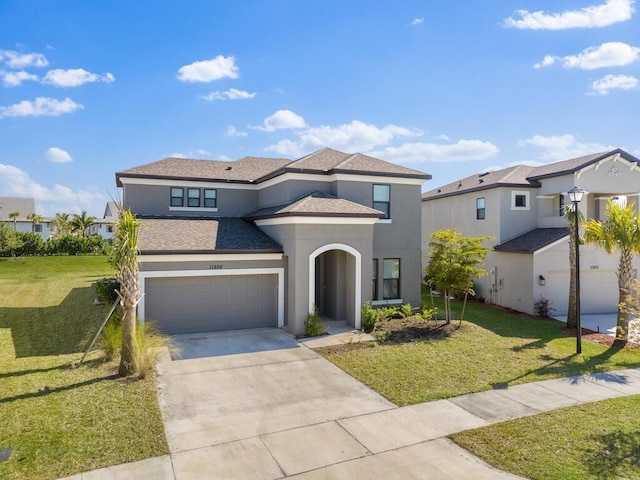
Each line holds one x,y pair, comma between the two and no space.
605,339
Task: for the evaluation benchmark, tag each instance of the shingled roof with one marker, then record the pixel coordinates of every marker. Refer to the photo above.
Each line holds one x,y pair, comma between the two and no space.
24,206
258,169
316,204
533,240
185,235
523,175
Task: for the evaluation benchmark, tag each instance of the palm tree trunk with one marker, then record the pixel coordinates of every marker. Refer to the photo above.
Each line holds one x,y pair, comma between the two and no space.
572,321
129,296
625,277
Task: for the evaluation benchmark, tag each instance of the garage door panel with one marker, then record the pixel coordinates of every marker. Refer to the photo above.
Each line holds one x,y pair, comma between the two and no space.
209,304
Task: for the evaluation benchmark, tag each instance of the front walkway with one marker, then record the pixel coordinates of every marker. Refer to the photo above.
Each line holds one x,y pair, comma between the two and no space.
264,406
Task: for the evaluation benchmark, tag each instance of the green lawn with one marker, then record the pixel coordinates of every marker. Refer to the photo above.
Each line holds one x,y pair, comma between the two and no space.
594,441
495,349
61,420
492,349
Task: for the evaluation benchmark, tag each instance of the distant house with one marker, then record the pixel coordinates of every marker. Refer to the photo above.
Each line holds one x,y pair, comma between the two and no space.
25,207
522,208
258,242
105,226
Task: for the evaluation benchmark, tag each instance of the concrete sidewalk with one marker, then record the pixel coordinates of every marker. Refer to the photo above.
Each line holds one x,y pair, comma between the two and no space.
367,437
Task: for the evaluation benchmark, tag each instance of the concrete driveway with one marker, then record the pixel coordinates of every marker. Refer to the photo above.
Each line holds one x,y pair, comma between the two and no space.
259,404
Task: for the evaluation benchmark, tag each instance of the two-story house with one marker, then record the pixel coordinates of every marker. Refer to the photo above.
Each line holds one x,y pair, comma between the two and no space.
522,208
23,222
260,242
105,226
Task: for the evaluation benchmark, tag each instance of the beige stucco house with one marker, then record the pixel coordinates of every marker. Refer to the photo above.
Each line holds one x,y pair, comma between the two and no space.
521,207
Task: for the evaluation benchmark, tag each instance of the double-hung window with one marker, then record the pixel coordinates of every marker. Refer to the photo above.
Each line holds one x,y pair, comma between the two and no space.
210,198
561,205
382,199
391,279
480,209
374,277
193,199
177,197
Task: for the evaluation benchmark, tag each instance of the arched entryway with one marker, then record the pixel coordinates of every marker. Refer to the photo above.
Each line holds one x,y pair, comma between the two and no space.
335,273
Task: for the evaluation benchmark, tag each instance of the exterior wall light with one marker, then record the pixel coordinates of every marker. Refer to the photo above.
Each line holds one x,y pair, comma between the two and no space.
542,281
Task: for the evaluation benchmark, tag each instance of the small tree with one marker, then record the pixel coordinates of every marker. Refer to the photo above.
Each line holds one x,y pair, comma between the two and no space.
62,224
124,257
620,231
35,220
80,223
14,216
453,264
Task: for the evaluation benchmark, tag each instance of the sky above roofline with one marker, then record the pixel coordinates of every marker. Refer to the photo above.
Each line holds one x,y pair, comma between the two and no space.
447,88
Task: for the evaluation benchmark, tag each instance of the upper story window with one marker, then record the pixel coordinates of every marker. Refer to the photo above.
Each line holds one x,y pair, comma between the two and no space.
561,205
197,199
177,197
210,198
520,200
382,199
480,210
193,197
37,228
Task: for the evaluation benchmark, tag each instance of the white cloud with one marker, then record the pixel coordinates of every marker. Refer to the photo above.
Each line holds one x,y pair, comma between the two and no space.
356,136
281,120
22,60
610,54
14,79
417,21
611,82
191,154
595,16
231,94
562,147
74,77
232,132
40,107
443,137
461,151
15,182
57,155
209,70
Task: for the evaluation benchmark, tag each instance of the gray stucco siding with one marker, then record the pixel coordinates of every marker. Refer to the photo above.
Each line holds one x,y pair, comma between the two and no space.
155,200
290,190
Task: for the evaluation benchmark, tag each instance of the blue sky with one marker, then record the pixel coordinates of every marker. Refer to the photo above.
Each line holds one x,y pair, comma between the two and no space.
450,88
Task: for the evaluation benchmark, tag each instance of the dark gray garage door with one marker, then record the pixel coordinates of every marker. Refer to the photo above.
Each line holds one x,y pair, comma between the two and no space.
211,304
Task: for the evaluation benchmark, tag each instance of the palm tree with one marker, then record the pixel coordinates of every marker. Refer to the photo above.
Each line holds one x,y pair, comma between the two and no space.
79,223
35,219
620,231
62,224
124,257
14,216
572,320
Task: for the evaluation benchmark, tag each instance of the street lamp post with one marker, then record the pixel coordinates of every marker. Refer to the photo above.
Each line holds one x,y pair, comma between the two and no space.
575,195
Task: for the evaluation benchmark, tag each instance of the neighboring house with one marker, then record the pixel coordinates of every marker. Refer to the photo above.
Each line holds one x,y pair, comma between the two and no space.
25,207
259,242
522,208
105,226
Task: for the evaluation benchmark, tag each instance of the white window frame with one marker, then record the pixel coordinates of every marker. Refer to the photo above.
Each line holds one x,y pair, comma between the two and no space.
517,193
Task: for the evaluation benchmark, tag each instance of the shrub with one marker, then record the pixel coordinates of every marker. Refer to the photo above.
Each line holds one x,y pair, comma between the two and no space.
369,318
106,289
312,325
543,307
427,314
32,244
110,339
405,310
149,344
386,313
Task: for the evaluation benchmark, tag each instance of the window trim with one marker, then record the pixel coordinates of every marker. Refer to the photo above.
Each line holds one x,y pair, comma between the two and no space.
387,203
194,198
481,212
520,193
215,198
561,204
173,197
396,280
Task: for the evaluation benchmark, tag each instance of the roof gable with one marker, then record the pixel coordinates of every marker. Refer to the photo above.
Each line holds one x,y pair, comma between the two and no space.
24,206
